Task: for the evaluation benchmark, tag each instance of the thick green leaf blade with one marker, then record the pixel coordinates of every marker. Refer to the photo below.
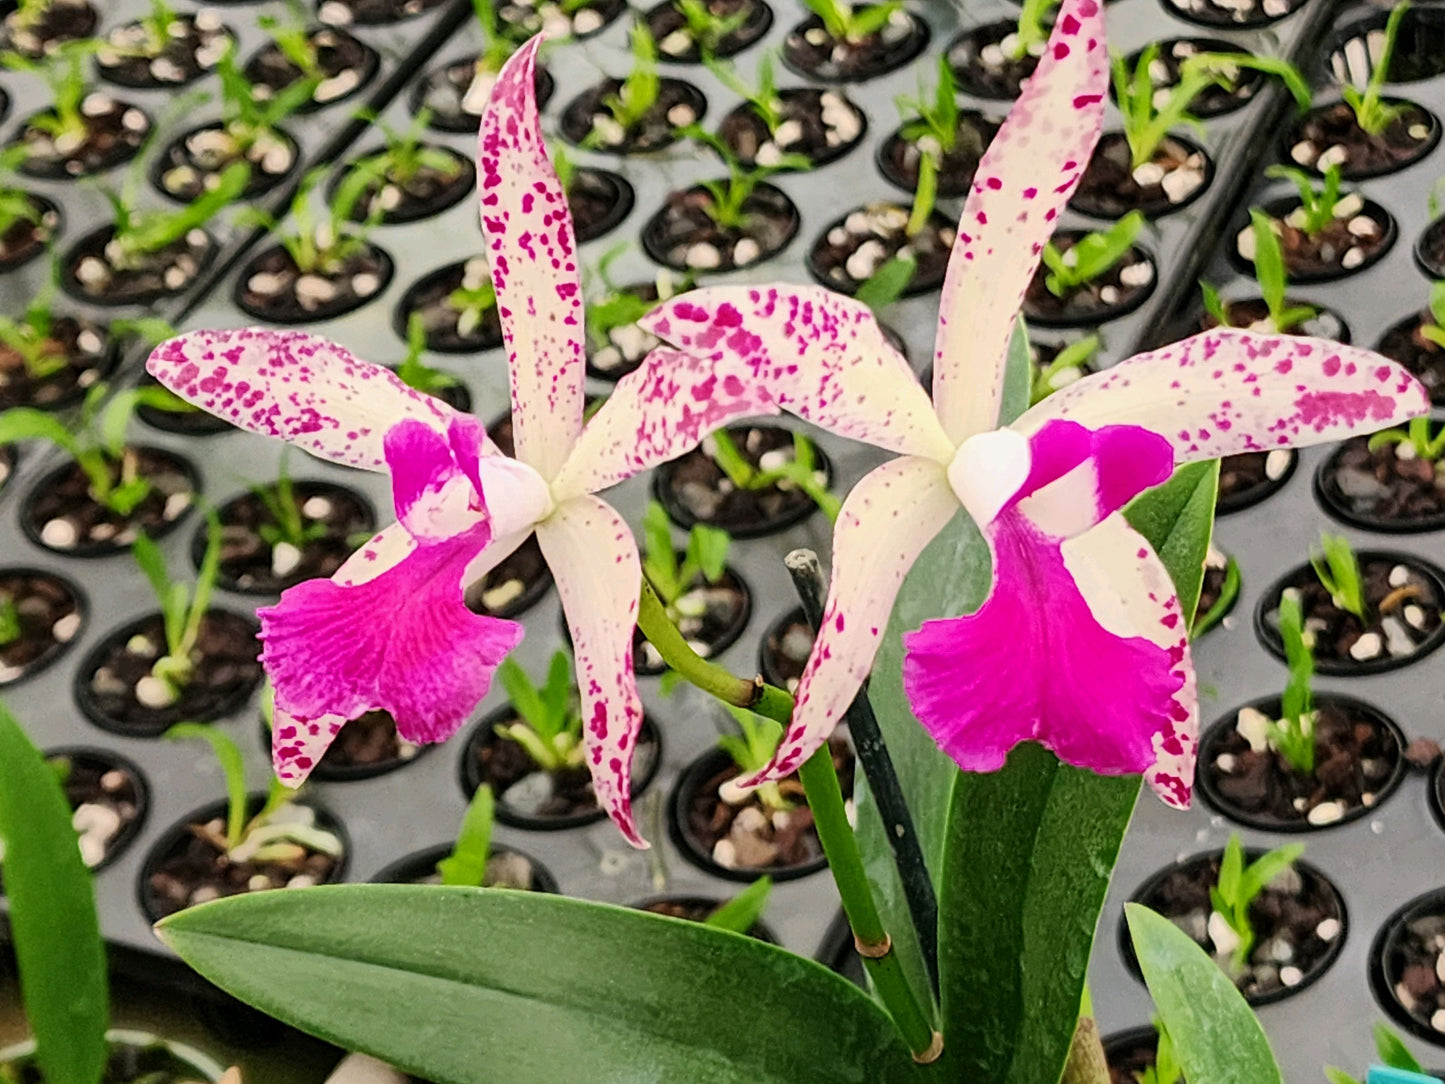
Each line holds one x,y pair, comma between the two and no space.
52,915
1178,519
1029,855
477,986
1215,1034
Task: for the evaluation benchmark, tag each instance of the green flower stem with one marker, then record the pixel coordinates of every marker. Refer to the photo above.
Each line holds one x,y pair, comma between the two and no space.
825,800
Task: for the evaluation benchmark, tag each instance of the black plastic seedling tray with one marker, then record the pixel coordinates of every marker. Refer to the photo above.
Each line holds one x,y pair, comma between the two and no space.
1377,862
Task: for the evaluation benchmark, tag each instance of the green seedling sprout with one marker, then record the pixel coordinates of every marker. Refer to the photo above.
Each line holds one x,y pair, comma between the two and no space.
249,117
1239,886
183,607
16,205
496,47
268,836
415,373
157,23
1033,28
1434,328
471,301
705,28
1147,123
800,472
549,727
639,91
1092,255
1317,205
728,209
96,442
925,196
324,245
293,40
141,233
28,13
288,525
1372,114
705,556
763,99
404,156
1166,1068
1270,273
1389,1048
1228,592
467,863
888,282
1069,364
844,22
30,336
1338,570
1226,67
9,620
745,910
935,116
1292,735
64,72
1415,441
752,748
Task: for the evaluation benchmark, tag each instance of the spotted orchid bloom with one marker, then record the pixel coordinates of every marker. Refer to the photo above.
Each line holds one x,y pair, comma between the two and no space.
391,629
1081,644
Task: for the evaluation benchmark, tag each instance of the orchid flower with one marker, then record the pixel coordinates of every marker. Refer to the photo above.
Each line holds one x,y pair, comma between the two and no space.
1081,644
390,630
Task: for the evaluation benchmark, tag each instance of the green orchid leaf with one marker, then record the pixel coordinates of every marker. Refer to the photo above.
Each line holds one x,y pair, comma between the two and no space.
53,923
741,913
1215,1035
1178,520
472,986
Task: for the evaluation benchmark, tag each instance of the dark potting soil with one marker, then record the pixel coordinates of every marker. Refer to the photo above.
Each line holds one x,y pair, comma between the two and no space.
598,200
1112,186
847,253
193,44
28,237
784,651
83,347
58,21
453,102
627,345
273,288
1389,489
527,796
114,133
61,515
1212,101
48,613
193,162
710,616
372,12
1117,291
588,122
821,125
1253,313
1130,1054
1247,478
191,421
345,64
694,489
675,40
899,159
428,191
1298,921
1233,13
523,18
1211,589
1403,603
116,691
696,909
749,837
125,1064
107,800
506,868
812,52
1359,234
1358,763
366,746
984,64
449,329
252,565
7,464
1329,134
684,236
88,270
1430,249
1426,360
1405,966
190,864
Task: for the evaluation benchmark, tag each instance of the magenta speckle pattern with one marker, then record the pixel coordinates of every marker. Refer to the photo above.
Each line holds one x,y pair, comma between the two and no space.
1025,179
1228,391
590,550
818,354
533,257
294,386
